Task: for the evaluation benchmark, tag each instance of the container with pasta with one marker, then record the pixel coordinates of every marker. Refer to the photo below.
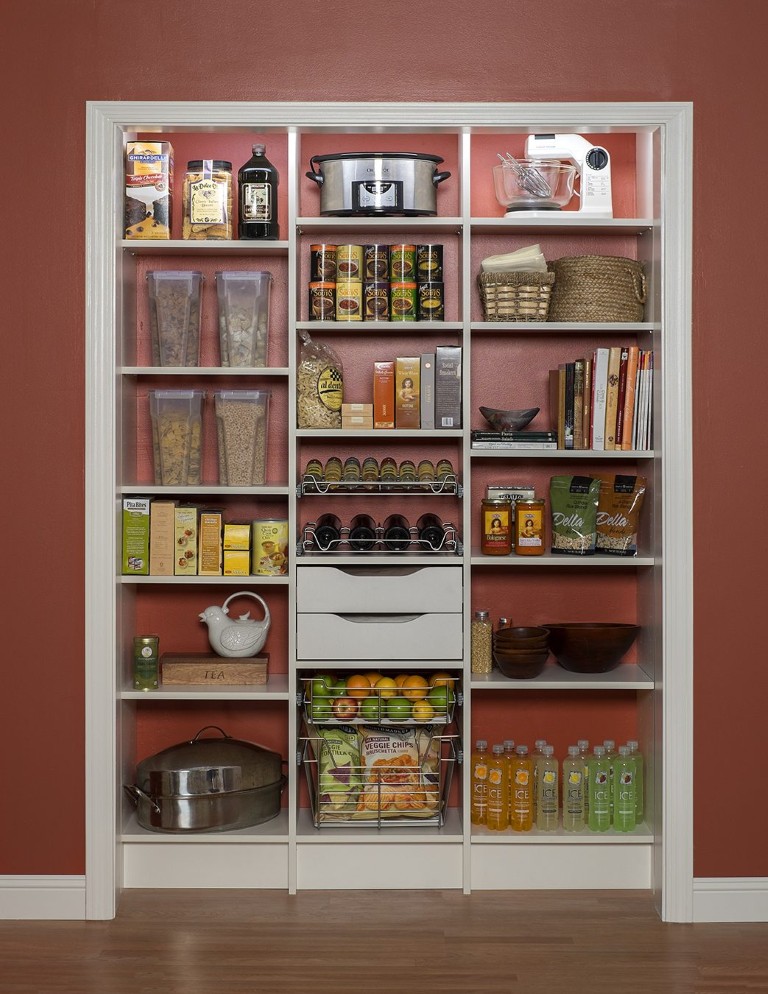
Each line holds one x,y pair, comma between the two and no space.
176,436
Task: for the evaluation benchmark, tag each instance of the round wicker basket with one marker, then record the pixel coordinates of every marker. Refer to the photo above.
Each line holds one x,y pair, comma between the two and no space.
597,288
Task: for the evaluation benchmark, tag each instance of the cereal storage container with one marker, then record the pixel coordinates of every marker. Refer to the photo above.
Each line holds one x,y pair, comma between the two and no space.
176,436
174,317
241,427
243,300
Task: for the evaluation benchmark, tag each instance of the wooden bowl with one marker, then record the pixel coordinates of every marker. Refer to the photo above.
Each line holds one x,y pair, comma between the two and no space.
522,667
521,636
501,420
591,647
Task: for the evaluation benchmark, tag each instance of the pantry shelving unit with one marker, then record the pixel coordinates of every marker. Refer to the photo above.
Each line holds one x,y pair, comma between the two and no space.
656,689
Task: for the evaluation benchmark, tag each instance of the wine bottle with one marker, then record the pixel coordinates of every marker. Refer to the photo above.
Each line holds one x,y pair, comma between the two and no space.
431,532
257,197
327,531
362,533
397,533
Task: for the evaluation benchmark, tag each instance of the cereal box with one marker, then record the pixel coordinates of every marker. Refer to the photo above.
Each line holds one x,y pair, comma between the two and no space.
136,535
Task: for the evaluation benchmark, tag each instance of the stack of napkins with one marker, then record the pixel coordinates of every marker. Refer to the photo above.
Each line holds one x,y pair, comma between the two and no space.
528,259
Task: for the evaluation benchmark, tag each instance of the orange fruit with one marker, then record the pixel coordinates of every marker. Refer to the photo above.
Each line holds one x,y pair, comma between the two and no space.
401,678
441,680
386,687
358,686
372,678
415,687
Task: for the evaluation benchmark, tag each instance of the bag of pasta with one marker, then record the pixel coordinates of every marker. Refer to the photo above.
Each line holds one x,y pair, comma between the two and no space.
319,386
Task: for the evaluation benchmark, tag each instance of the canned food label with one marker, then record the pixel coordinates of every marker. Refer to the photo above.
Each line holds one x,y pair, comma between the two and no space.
403,301
270,547
377,301
431,306
402,262
322,305
349,301
349,262
322,262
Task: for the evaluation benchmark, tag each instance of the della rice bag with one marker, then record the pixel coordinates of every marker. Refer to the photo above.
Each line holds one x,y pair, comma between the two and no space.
573,500
618,512
393,785
338,757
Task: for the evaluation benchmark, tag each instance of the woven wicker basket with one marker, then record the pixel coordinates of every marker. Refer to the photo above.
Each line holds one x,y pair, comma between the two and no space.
515,296
597,288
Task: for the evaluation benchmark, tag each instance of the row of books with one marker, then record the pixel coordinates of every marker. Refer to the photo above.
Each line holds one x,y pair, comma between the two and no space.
604,402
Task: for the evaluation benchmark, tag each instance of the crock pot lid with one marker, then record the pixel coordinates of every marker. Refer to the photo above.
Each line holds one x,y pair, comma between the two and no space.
377,155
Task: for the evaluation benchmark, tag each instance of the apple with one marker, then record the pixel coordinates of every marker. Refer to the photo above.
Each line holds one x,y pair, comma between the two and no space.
370,709
345,708
398,708
320,709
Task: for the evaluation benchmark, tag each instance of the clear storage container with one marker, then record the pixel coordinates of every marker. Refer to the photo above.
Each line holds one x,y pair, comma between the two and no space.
241,426
177,436
174,317
243,317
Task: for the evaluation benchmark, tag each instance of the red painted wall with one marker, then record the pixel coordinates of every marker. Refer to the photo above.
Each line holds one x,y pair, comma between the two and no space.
58,55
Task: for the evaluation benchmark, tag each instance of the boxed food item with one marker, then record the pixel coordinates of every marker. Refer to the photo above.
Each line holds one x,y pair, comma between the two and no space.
148,189
237,536
136,535
210,562
185,551
241,427
237,562
407,392
357,415
177,418
174,317
384,395
448,386
243,300
428,390
162,537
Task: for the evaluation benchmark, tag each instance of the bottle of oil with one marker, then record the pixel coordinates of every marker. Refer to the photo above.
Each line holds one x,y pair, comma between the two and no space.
479,808
497,815
257,197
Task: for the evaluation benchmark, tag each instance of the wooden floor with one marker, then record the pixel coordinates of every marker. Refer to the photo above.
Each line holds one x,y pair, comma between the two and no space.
242,942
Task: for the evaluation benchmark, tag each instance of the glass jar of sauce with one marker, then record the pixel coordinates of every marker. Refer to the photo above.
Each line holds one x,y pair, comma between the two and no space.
496,527
529,527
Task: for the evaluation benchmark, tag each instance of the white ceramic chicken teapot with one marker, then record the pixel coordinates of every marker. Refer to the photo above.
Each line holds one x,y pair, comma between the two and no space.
236,637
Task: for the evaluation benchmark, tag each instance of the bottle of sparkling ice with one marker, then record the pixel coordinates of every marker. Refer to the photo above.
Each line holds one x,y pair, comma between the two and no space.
599,791
538,747
521,815
547,793
509,755
479,808
573,791
584,753
610,754
639,780
497,816
624,817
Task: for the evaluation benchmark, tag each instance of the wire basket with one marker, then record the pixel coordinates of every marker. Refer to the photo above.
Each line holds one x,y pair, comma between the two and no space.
518,296
597,288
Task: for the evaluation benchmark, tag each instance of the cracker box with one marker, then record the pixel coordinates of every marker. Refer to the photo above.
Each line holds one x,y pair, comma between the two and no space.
185,550
162,540
136,536
148,189
448,386
237,536
237,562
384,395
408,392
209,542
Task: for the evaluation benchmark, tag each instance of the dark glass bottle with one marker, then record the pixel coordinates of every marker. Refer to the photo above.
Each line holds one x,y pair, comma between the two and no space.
257,197
397,533
327,532
431,532
362,533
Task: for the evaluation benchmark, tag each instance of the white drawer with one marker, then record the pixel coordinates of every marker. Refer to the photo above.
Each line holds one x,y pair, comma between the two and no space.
386,589
379,636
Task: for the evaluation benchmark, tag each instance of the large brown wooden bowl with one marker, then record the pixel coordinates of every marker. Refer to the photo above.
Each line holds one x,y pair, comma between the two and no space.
591,647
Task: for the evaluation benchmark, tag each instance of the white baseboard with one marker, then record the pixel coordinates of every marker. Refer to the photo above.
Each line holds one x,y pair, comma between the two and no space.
730,899
52,898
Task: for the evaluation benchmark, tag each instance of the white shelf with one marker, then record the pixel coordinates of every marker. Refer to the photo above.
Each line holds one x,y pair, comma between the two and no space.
177,246
244,581
382,434
567,327
583,562
268,490
316,558
451,831
626,676
274,830
480,835
251,371
561,223
383,327
275,689
390,225
561,454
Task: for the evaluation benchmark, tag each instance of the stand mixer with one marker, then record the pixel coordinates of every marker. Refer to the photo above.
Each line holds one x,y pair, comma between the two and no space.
593,163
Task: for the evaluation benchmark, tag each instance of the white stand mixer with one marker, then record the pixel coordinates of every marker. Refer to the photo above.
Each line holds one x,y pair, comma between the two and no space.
593,163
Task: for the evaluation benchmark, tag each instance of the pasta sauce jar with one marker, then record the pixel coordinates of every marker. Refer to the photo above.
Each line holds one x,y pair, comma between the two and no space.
529,527
495,527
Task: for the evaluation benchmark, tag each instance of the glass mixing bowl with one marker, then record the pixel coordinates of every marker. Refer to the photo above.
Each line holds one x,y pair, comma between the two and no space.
514,186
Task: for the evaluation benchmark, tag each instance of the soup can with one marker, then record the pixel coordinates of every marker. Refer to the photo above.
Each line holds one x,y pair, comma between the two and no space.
349,262
402,263
322,262
376,300
270,547
375,262
431,305
429,263
322,301
349,301
403,301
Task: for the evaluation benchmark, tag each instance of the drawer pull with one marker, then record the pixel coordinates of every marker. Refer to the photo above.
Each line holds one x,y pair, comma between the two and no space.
387,619
379,571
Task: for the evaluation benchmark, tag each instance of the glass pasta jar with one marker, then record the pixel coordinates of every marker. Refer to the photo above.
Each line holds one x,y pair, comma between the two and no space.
207,199
495,527
529,527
